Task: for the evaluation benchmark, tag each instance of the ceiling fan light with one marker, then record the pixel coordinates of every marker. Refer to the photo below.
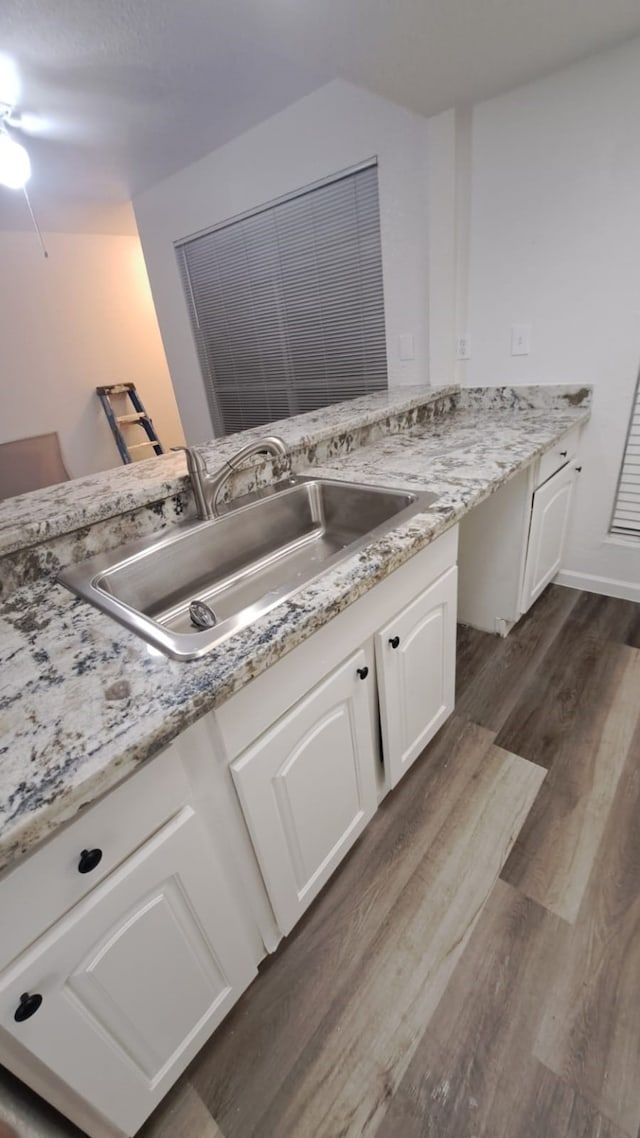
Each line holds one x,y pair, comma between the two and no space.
15,166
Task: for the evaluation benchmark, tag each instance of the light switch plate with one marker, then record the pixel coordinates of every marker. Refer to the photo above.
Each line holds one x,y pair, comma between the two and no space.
463,351
520,339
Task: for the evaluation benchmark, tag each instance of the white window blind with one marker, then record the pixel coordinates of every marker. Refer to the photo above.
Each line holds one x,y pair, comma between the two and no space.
287,304
626,514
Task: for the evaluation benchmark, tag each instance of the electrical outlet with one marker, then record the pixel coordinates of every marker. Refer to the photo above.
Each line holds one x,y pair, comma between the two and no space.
464,347
520,339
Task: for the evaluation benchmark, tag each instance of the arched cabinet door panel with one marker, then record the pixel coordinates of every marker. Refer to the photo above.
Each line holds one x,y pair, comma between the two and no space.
307,787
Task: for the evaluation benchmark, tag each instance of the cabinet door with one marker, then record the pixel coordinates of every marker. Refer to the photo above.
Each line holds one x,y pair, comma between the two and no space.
307,787
416,663
549,520
136,978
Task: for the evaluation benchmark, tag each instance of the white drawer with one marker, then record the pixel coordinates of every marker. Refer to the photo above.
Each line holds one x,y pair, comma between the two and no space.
563,451
46,884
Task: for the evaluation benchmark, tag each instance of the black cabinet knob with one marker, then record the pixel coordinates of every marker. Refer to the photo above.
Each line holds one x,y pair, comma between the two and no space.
394,641
363,673
89,859
27,1007
563,453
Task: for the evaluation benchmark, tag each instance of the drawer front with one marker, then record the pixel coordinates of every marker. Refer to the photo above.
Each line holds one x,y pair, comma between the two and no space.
44,886
559,455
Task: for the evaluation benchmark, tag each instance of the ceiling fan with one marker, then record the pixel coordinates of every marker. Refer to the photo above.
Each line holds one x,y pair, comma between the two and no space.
15,164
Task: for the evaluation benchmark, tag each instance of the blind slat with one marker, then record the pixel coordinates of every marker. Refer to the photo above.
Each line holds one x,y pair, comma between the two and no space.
626,514
287,304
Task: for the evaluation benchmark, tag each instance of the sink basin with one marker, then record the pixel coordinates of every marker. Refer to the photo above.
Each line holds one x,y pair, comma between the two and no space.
237,566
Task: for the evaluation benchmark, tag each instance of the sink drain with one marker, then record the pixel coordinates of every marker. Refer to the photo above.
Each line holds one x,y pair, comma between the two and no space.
201,615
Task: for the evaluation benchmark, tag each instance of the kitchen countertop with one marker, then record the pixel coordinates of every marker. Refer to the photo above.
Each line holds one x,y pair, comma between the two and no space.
55,510
83,701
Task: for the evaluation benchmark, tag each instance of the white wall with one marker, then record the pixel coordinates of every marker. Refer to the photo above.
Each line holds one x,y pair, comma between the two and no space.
555,242
82,317
449,176
335,127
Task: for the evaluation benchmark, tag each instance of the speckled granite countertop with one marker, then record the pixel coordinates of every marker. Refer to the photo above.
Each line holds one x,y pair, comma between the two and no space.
61,509
83,701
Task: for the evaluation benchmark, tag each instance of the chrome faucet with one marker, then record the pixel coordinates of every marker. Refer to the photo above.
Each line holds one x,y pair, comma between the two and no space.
207,487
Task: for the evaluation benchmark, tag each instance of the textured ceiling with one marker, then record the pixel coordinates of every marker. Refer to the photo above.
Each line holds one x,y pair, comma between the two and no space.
122,93
128,91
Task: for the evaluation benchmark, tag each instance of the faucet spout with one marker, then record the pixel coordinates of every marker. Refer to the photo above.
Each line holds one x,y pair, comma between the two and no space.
271,445
208,487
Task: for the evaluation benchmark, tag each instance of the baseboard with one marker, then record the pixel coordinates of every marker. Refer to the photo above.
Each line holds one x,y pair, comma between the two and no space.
607,586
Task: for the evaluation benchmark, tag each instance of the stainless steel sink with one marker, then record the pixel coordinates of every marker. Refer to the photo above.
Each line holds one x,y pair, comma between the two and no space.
225,573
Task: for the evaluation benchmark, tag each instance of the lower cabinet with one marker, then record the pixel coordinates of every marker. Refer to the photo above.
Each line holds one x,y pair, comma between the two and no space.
415,659
512,544
109,989
121,994
307,787
549,520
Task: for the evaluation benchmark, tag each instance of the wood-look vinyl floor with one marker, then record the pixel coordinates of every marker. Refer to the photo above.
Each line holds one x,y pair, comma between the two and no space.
474,1072
555,852
472,970
590,1034
368,1033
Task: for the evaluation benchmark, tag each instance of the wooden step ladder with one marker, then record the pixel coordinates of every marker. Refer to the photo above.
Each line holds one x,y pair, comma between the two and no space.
138,416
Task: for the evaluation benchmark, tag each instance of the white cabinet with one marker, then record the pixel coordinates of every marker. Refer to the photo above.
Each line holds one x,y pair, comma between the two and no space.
512,544
309,783
135,978
415,659
128,968
307,787
549,521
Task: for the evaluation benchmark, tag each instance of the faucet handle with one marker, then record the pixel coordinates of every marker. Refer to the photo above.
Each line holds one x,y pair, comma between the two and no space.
198,475
195,461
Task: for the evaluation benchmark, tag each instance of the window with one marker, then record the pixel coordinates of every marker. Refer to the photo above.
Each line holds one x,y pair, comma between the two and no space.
626,513
287,304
